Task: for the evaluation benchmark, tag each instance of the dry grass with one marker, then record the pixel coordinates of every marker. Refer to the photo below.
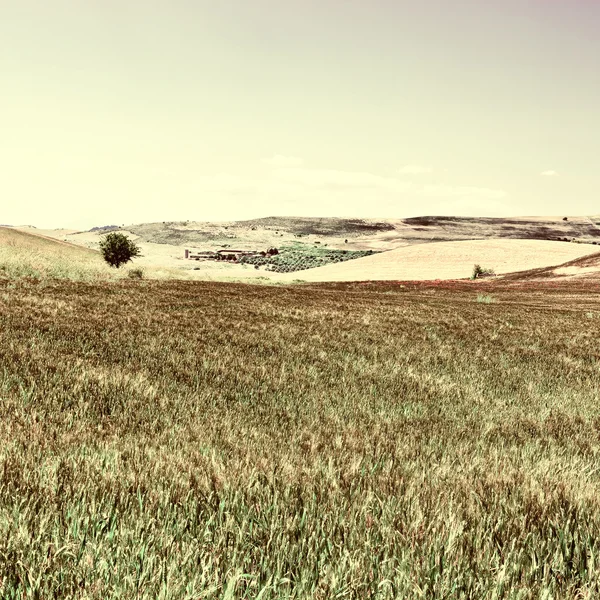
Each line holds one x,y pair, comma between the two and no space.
27,255
451,260
35,256
189,440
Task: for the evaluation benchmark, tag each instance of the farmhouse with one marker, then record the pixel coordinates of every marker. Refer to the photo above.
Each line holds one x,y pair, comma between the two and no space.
205,255
225,254
234,254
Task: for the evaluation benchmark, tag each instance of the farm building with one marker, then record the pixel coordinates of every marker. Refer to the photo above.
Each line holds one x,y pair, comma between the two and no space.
226,254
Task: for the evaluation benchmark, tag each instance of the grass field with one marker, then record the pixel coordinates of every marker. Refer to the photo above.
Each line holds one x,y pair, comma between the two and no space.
204,440
27,255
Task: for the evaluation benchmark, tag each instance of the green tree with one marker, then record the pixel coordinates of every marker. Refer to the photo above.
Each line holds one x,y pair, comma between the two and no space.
117,249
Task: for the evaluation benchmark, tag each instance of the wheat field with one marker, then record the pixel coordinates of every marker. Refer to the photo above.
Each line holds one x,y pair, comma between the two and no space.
203,440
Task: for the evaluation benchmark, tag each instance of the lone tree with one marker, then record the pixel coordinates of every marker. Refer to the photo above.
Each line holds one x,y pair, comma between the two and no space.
117,249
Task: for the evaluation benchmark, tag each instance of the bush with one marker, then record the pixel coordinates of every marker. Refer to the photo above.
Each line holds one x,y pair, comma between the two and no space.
479,271
136,273
117,249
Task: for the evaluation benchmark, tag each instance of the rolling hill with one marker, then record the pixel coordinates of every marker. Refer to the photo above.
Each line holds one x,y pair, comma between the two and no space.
362,234
449,260
584,268
420,242
24,254
376,234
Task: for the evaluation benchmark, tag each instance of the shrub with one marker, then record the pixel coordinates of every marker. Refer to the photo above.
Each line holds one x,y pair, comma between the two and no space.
137,273
479,271
117,249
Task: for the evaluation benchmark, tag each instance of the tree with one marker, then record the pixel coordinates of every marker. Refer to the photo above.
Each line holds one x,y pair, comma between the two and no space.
117,249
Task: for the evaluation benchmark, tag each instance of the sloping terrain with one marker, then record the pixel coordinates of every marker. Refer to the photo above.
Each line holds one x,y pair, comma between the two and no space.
449,260
584,229
158,261
24,254
321,225
584,268
370,231
163,244
359,234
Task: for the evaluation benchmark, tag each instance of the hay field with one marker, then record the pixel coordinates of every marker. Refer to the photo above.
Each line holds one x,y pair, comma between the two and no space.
449,260
182,440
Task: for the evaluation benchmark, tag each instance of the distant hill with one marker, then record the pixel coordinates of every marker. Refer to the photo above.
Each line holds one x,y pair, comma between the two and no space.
381,234
105,229
320,226
453,260
585,229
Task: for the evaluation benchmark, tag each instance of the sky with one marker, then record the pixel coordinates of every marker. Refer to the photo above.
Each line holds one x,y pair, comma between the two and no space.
129,111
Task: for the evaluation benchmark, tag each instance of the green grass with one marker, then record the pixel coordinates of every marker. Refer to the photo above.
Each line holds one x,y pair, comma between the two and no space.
485,298
203,440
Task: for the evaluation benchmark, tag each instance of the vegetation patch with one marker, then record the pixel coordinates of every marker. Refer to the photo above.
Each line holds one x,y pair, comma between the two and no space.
479,271
298,257
485,298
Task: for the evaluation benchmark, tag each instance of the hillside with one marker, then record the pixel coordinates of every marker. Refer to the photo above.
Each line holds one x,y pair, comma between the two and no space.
380,233
360,234
24,254
31,252
449,260
163,244
584,268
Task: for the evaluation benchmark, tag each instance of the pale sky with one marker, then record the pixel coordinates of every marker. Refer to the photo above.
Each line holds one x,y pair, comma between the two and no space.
128,111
